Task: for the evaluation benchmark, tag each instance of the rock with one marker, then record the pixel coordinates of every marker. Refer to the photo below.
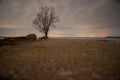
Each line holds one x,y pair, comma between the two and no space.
21,38
31,37
12,40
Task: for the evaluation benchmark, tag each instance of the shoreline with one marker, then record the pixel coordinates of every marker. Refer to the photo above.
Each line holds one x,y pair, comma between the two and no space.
79,38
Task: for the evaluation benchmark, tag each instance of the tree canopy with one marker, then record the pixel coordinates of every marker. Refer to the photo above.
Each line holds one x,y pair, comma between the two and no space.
45,19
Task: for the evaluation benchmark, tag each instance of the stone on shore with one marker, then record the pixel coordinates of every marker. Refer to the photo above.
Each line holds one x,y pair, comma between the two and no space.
31,37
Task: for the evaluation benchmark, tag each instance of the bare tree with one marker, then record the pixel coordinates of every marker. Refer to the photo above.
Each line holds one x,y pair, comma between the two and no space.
45,19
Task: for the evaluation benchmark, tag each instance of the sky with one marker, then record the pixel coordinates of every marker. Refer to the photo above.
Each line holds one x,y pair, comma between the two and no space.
78,18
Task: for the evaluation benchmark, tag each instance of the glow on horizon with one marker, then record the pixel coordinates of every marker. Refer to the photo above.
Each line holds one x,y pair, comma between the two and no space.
54,33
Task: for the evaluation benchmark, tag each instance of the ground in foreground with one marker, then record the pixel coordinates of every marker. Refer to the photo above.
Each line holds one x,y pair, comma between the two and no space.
60,60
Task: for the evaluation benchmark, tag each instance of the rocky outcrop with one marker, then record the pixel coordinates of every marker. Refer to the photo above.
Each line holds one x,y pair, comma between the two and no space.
31,37
21,38
12,40
16,40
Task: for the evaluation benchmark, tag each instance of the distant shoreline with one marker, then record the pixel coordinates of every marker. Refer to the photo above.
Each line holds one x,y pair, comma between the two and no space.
112,37
87,38
79,38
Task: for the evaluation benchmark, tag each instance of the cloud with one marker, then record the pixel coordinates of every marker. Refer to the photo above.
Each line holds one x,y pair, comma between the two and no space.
79,15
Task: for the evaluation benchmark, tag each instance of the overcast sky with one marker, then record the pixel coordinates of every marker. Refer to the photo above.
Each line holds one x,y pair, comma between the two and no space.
78,18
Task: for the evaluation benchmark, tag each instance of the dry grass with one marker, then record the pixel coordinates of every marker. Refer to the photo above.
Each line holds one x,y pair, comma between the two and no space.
61,60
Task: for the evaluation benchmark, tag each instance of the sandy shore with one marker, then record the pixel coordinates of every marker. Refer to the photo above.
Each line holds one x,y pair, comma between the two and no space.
60,59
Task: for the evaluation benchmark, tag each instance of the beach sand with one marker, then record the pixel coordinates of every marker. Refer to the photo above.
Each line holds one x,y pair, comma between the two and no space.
61,59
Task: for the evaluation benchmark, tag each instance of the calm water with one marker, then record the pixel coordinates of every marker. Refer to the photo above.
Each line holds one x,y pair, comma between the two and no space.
22,32
86,38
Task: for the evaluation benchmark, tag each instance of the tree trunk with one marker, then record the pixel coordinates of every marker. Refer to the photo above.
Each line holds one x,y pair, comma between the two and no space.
46,34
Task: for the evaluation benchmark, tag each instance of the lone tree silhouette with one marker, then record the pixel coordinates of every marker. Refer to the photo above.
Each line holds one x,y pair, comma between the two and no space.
45,19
